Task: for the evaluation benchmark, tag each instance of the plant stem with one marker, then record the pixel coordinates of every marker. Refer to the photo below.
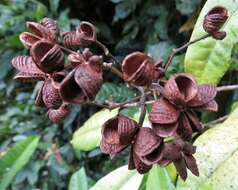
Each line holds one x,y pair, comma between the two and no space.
219,120
227,88
177,50
142,106
106,51
113,69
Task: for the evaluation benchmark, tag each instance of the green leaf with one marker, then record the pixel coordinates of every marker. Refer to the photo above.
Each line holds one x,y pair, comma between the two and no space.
159,179
15,159
119,179
209,59
78,180
89,135
54,4
117,92
217,158
187,7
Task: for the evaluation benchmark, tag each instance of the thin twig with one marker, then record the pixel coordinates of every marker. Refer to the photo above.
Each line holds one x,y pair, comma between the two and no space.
219,120
227,88
142,106
177,50
113,69
106,51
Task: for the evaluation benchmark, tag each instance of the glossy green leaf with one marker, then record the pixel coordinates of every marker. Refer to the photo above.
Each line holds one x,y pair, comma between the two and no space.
159,179
119,179
217,158
116,92
209,59
89,135
78,180
15,159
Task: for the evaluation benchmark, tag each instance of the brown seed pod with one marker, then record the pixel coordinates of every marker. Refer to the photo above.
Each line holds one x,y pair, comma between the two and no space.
180,153
76,59
163,112
51,25
47,56
58,115
180,88
28,39
50,95
148,146
214,20
39,30
87,33
85,81
70,39
117,134
136,163
206,93
27,69
139,69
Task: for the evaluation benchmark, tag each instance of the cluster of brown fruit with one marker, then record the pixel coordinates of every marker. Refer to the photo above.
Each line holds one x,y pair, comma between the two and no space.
78,81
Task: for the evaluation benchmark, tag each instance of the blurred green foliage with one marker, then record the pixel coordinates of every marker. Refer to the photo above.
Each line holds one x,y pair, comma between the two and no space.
124,26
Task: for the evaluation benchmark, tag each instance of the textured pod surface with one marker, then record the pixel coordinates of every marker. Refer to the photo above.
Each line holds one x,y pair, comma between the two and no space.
27,69
51,25
50,95
206,93
76,59
163,112
136,163
119,129
47,56
71,39
77,95
86,32
89,80
180,88
58,115
215,19
28,39
39,30
146,142
138,68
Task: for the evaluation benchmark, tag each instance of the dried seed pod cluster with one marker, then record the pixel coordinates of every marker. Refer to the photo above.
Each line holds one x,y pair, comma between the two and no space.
173,116
175,101
75,82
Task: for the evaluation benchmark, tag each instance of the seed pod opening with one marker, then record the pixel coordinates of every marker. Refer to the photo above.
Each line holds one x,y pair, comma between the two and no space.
87,33
47,56
138,68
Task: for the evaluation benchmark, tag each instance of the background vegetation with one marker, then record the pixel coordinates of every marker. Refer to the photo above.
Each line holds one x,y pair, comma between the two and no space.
46,155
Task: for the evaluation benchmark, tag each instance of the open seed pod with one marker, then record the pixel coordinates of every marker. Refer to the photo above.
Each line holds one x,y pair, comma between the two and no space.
50,95
148,146
117,134
27,69
58,115
138,69
136,163
52,26
86,32
214,20
181,154
85,81
28,39
180,88
47,56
